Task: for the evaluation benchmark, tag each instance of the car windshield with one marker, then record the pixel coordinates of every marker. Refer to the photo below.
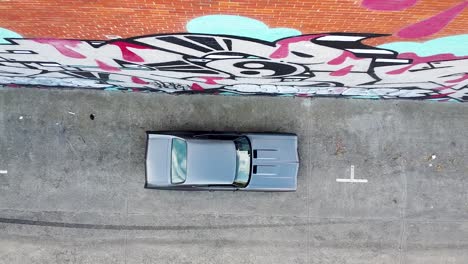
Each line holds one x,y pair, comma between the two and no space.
178,161
242,161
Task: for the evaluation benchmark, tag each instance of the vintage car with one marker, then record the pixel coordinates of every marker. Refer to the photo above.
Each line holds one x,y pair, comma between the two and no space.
221,161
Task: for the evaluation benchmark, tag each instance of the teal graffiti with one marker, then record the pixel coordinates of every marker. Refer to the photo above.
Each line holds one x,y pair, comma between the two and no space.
5,33
238,26
456,45
112,89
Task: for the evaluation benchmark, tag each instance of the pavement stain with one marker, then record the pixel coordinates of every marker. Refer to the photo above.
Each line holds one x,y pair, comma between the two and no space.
340,147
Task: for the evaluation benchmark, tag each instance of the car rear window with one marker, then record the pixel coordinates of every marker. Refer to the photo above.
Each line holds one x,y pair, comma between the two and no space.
243,160
178,161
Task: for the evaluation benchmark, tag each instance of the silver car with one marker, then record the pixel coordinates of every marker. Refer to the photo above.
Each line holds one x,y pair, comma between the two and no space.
221,161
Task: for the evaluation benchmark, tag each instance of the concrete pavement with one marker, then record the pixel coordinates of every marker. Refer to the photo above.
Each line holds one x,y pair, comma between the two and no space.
72,163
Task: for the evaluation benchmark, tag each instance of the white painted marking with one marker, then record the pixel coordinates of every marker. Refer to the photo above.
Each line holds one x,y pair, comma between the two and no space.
21,117
71,113
3,171
352,179
370,51
392,60
340,38
21,51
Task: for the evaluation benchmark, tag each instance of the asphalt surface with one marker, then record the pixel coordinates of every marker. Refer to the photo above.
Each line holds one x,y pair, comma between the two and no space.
72,176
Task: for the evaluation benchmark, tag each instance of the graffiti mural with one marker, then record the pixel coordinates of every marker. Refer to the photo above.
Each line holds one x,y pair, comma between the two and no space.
326,64
408,49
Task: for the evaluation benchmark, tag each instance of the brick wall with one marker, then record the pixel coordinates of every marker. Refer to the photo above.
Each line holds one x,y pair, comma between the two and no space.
94,19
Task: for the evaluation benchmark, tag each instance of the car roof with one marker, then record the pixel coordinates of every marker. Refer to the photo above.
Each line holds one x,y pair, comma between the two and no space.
210,162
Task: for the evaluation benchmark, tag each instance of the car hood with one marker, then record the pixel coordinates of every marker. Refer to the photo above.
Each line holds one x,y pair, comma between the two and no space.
210,162
275,162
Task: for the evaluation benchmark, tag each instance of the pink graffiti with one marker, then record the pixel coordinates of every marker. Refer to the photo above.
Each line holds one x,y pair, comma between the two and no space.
401,70
128,54
211,80
62,46
388,5
196,87
342,58
418,60
433,24
106,67
283,50
342,72
138,80
461,79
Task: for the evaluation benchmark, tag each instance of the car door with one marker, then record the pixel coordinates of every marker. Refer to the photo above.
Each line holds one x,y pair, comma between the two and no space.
216,188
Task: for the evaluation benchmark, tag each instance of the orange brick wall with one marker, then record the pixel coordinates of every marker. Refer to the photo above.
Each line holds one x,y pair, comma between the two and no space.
93,19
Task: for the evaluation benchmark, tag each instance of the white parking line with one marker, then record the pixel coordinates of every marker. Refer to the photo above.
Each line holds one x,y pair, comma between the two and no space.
352,179
3,171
